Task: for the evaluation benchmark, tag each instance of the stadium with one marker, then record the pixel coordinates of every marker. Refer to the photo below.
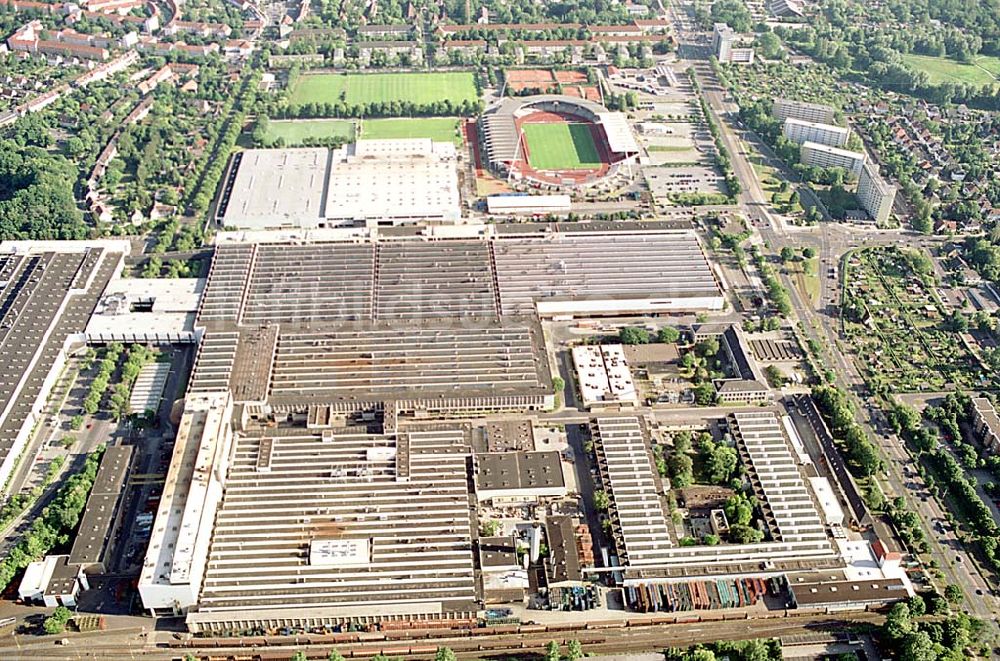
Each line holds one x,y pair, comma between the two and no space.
556,142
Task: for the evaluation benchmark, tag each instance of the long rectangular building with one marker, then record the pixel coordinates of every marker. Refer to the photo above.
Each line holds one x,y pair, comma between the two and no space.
822,156
799,132
48,292
319,528
642,532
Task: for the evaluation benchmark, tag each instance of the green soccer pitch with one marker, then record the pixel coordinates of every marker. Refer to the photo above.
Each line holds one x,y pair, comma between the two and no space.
357,89
561,147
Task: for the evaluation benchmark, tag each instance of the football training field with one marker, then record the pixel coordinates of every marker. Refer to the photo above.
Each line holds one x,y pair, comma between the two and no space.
561,147
439,129
356,89
296,132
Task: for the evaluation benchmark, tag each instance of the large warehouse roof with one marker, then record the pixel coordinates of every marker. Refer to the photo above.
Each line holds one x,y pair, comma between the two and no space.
50,290
414,179
598,272
372,180
342,487
277,188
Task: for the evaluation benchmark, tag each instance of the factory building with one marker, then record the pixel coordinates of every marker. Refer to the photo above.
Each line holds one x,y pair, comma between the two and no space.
52,288
417,181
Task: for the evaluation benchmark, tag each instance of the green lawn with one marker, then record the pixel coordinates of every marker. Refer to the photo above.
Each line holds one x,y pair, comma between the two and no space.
561,147
419,88
942,70
297,131
439,129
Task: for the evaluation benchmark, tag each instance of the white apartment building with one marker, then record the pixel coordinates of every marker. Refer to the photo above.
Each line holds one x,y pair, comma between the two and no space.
799,131
808,112
822,156
875,194
724,46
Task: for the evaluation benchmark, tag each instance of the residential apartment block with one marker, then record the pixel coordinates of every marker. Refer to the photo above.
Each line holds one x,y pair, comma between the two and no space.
875,194
724,46
986,423
822,156
800,131
808,112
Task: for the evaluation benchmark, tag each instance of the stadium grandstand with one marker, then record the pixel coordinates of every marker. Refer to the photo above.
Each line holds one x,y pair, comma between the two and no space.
605,148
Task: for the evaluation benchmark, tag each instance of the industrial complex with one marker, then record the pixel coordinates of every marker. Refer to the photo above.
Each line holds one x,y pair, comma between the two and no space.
331,464
422,331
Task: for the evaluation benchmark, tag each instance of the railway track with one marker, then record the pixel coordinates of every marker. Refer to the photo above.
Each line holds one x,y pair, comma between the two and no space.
619,636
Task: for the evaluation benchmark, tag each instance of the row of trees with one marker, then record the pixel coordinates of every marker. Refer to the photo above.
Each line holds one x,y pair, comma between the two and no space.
860,453
56,522
214,161
722,159
639,335
951,476
393,108
138,356
734,650
776,292
929,640
102,380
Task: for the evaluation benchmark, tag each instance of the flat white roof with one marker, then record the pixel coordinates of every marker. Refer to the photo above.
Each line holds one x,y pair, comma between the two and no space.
618,131
340,552
394,180
817,125
845,153
603,375
164,307
827,499
278,187
502,203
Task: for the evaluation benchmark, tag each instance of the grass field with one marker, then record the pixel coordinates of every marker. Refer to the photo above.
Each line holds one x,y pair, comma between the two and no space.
561,147
295,132
419,88
439,129
942,70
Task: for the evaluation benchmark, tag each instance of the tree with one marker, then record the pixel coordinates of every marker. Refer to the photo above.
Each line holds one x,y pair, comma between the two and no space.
574,650
769,45
745,534
708,347
552,651
633,335
897,622
917,646
808,252
704,394
953,594
444,654
668,335
56,623
680,467
299,656
335,655
738,509
719,461
601,500
916,605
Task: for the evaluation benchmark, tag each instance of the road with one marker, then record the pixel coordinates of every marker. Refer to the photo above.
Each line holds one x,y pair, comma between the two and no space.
821,325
